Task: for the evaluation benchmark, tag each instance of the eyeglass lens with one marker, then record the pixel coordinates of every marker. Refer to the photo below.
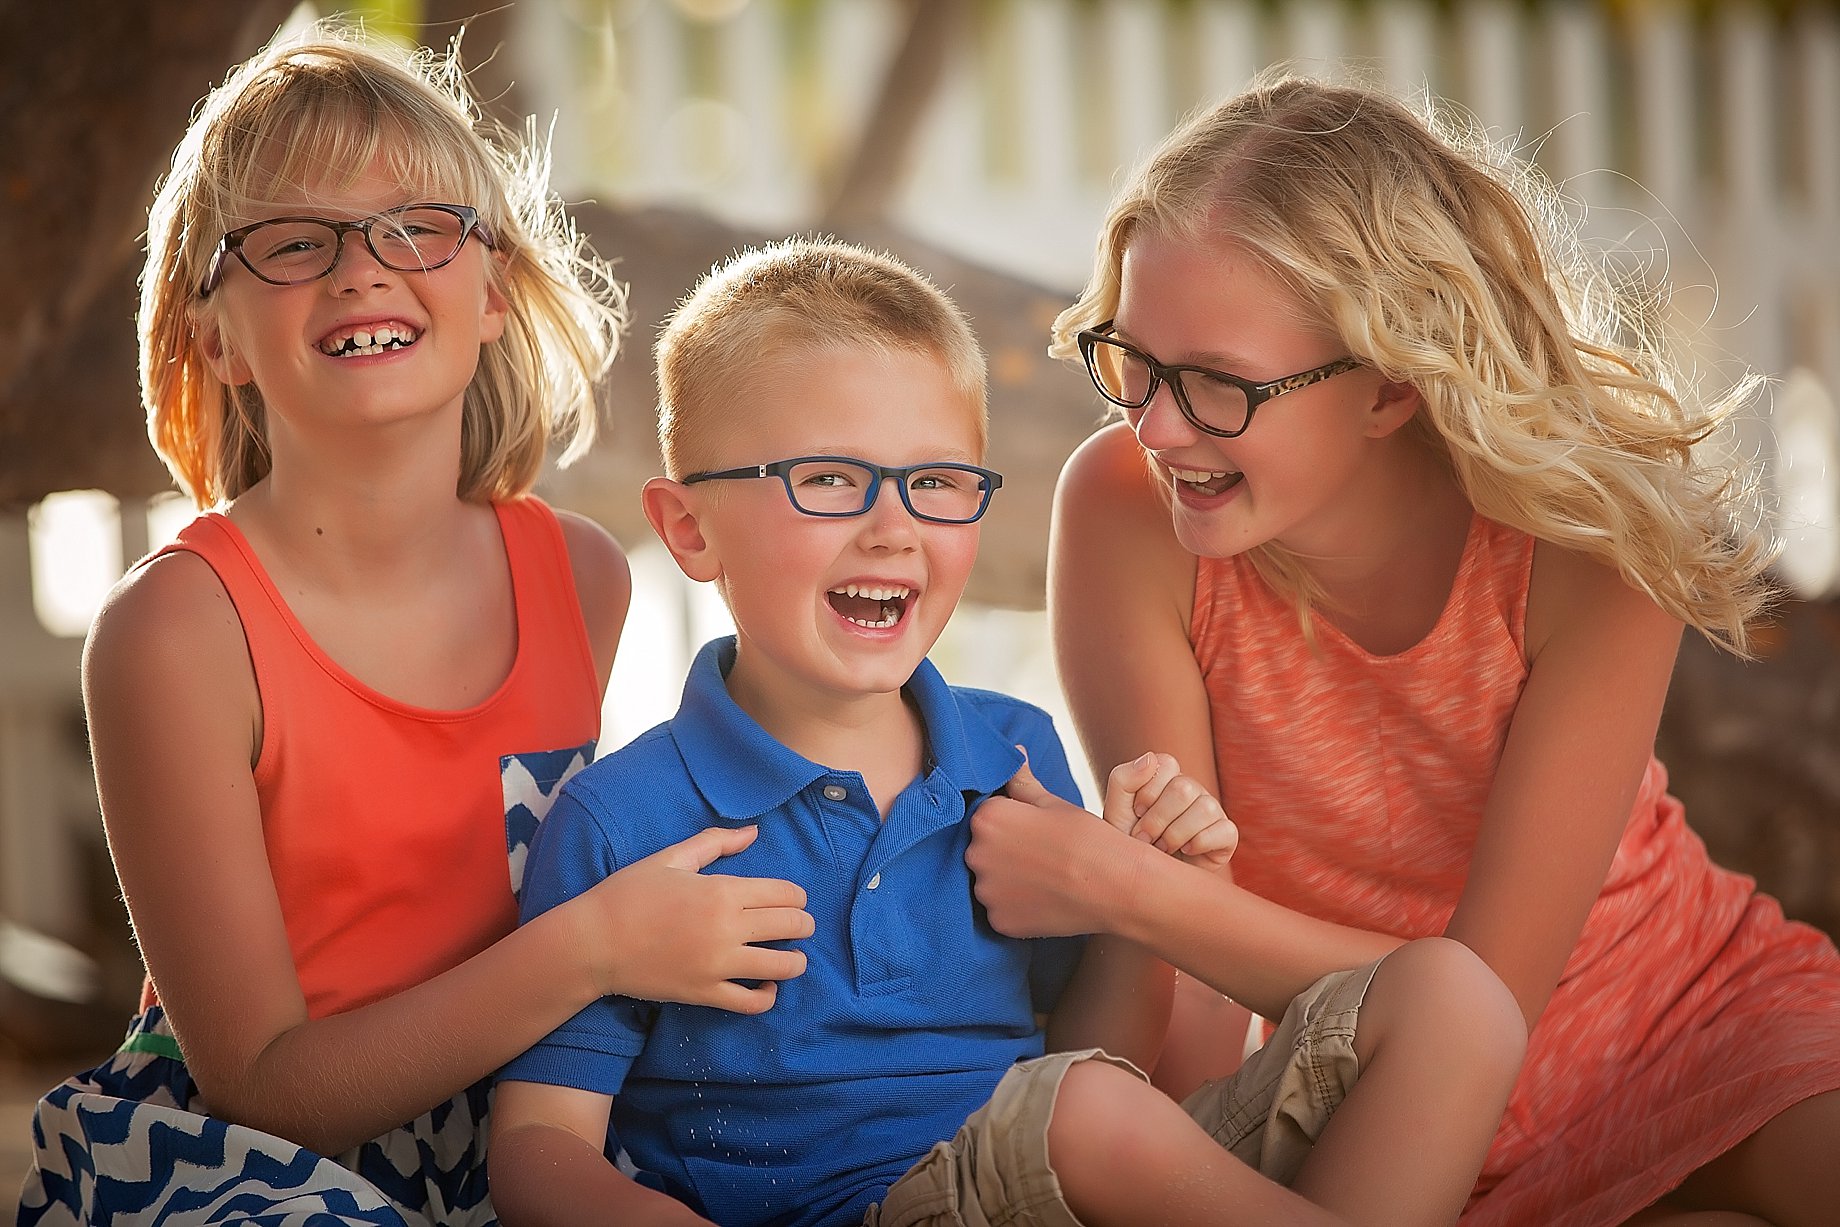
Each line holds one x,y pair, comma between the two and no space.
289,252
1124,376
839,487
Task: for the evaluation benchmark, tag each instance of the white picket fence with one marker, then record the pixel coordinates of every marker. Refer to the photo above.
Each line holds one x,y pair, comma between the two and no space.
1704,140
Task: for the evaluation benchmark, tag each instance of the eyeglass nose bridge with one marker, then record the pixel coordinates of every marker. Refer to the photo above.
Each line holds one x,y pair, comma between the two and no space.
872,497
362,228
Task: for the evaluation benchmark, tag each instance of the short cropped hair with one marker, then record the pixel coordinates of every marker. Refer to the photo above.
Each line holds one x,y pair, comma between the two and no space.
302,113
804,293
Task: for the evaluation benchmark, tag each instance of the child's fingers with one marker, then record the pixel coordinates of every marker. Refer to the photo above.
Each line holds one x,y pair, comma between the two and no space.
1127,785
705,847
742,998
1203,833
766,963
1163,800
776,924
760,893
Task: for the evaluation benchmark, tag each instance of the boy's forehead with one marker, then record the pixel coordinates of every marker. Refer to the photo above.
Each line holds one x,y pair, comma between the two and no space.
836,396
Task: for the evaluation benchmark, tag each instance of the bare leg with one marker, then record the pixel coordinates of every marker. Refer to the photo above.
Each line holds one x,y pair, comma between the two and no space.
1127,1155
1440,1040
1784,1173
1207,1039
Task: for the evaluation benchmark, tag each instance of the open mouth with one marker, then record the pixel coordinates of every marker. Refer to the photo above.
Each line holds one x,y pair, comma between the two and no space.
367,340
1206,481
869,605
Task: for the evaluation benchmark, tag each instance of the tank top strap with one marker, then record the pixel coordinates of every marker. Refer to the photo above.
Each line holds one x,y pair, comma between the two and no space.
266,620
543,579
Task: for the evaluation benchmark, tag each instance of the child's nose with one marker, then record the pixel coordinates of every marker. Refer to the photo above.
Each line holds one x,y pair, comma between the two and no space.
355,264
1161,425
888,522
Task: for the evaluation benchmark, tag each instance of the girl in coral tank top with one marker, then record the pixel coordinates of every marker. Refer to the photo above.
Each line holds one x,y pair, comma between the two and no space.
1394,547
328,719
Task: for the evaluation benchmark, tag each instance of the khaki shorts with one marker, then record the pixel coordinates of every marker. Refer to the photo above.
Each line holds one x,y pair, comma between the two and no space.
994,1171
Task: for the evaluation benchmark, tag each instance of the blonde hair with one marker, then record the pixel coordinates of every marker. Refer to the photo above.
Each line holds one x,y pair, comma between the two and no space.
339,99
766,303
1446,263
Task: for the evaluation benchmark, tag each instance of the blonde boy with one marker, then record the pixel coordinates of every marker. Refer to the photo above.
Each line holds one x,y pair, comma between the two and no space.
824,430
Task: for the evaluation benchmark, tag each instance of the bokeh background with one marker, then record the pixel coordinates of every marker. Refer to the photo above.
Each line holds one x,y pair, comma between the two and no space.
1698,144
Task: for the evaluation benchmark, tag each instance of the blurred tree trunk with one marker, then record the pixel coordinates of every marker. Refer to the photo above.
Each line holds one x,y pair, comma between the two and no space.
93,97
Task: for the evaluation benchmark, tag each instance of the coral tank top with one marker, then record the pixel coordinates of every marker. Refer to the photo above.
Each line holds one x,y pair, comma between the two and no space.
396,833
1690,1011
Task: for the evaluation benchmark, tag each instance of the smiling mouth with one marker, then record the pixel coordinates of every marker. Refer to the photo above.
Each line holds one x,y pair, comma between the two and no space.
871,606
363,342
1206,481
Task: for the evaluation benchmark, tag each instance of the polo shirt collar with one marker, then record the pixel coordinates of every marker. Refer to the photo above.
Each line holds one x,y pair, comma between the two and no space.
744,773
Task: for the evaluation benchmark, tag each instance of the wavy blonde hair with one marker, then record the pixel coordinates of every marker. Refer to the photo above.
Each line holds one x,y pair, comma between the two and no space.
1448,263
772,301
299,113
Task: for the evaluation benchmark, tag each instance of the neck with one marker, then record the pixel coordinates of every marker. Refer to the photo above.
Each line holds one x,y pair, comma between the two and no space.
364,518
1386,582
878,736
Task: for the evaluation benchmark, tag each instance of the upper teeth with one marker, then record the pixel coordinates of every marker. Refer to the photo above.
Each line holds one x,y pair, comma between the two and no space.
368,339
1197,475
875,592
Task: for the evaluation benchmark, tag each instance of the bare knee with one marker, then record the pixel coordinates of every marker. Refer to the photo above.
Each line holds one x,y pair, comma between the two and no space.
1438,991
1085,1127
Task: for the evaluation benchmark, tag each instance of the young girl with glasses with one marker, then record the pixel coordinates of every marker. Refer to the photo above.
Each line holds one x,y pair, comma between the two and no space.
327,720
1393,549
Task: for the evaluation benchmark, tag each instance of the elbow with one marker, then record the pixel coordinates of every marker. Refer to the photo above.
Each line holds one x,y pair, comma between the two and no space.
253,1101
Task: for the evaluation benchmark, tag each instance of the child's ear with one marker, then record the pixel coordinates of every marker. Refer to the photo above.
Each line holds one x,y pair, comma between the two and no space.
672,509
1395,402
208,336
497,306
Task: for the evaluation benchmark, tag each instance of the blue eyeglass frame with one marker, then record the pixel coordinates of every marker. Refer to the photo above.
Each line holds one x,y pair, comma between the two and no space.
782,469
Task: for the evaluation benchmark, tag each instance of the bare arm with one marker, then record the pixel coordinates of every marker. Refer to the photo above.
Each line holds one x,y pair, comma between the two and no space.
1118,998
603,585
1602,654
549,1168
174,721
1120,591
1121,588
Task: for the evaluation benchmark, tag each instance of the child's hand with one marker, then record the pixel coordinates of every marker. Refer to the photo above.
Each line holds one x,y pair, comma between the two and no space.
1150,799
675,933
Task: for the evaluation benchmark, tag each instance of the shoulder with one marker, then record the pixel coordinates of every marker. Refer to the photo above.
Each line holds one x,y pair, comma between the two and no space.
1004,713
172,613
168,638
1017,722
641,788
1105,478
1572,596
602,574
1112,535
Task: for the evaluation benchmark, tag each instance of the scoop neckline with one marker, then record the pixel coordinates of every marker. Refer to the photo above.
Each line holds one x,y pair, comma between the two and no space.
1466,565
351,681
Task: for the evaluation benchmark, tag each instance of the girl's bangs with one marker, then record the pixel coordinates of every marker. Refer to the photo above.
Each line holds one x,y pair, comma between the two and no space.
322,148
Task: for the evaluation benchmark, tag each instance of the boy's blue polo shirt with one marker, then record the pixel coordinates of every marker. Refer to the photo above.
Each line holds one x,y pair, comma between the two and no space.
911,1006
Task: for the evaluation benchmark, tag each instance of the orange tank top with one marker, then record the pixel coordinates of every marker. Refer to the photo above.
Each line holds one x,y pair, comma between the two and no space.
396,833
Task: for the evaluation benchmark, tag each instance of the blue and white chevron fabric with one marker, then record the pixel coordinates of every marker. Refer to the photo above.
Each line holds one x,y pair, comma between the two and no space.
128,1145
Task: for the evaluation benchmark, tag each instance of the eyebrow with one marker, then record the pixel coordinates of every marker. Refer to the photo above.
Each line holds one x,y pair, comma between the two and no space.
950,455
1216,359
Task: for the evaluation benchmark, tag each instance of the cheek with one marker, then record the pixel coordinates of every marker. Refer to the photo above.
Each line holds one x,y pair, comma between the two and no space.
954,556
